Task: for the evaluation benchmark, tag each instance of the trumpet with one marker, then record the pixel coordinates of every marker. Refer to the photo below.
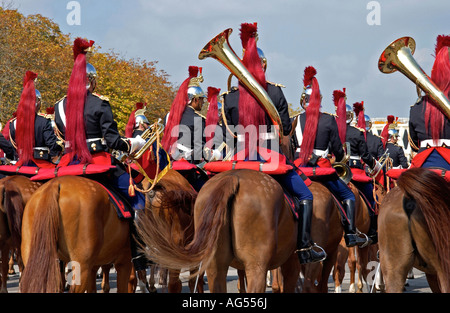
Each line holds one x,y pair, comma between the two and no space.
399,56
149,135
219,49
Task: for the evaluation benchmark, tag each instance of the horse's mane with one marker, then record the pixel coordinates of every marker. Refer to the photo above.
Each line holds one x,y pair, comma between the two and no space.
431,193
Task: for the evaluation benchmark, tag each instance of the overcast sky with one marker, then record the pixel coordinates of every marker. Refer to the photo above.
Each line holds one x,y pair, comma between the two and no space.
341,39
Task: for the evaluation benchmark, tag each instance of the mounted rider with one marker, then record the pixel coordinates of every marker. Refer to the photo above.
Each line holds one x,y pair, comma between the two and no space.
396,153
243,112
137,122
429,128
86,121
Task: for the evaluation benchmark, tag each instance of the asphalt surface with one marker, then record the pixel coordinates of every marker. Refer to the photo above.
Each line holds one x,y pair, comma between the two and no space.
416,285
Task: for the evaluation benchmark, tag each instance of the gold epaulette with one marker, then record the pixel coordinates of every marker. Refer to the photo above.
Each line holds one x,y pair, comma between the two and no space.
360,129
332,114
104,98
60,100
201,115
275,84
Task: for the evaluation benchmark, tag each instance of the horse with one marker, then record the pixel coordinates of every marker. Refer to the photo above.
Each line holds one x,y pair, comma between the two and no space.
15,191
413,230
241,219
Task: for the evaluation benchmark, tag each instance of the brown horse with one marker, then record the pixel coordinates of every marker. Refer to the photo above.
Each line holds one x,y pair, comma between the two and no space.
413,230
15,191
241,219
70,218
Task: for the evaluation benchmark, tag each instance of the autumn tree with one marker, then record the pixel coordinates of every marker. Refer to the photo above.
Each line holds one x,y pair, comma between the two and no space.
36,43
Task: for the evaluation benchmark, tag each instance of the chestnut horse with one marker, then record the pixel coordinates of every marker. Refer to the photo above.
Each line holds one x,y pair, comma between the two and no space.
413,229
241,219
15,191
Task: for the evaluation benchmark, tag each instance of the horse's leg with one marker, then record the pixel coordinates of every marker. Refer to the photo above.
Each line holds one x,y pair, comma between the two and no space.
339,267
11,270
433,283
123,268
363,271
241,284
290,271
5,267
80,284
142,281
175,285
152,280
92,283
105,278
276,280
196,280
352,266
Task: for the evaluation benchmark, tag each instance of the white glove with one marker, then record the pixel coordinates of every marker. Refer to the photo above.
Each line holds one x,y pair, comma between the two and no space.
136,143
212,154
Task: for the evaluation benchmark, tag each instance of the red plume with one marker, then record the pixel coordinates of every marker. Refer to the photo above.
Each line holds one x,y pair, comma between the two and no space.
341,112
308,75
312,116
358,108
212,117
250,111
50,110
440,75
26,114
131,120
76,97
385,132
176,111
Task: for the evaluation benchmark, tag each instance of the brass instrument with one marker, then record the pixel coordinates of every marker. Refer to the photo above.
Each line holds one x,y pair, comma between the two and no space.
219,49
398,56
150,135
343,171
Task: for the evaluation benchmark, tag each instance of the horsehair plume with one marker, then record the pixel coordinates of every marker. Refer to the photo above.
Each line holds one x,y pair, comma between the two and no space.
76,97
441,42
385,133
339,103
390,119
26,112
131,120
212,117
80,46
358,107
50,110
176,111
248,30
423,186
308,75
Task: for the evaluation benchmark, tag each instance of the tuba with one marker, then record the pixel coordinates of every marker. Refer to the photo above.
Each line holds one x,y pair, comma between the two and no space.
219,49
398,56
343,171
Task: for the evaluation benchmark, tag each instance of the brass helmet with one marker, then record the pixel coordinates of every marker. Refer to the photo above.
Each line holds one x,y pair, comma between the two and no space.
91,74
194,89
262,58
368,122
140,118
349,114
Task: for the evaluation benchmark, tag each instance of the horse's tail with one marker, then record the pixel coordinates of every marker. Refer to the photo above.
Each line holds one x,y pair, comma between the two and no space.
431,194
42,272
156,235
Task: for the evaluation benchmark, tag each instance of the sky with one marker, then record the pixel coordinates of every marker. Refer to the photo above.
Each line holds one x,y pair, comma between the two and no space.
342,39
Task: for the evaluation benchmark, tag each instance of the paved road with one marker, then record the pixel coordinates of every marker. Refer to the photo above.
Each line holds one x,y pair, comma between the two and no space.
416,285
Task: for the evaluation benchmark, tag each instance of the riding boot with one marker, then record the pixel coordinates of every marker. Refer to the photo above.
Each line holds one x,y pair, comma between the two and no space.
372,233
306,253
137,257
351,237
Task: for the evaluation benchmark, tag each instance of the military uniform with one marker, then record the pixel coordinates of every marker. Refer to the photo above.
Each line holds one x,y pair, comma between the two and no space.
7,147
397,155
430,154
101,129
375,145
45,141
231,112
358,148
327,137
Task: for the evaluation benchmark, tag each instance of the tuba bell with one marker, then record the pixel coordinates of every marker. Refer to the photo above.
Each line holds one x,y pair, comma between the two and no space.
219,49
399,56
343,171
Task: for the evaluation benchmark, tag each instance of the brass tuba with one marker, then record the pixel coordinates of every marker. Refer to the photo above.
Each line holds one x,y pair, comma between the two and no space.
343,171
219,49
398,56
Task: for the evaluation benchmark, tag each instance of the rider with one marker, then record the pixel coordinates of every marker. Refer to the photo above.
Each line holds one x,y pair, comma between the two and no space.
374,143
137,122
429,128
359,152
319,135
396,153
31,133
86,121
241,108
184,127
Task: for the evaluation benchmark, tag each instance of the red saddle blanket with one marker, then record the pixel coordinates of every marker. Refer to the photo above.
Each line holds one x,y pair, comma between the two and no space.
360,175
76,170
395,173
267,167
183,165
317,171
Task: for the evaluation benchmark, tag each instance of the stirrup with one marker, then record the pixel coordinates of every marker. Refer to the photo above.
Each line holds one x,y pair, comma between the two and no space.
314,245
361,234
